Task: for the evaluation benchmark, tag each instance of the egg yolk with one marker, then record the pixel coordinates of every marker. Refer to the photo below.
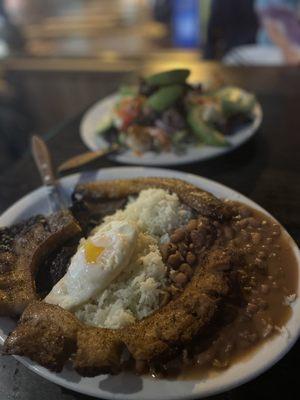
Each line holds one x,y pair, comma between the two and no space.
92,252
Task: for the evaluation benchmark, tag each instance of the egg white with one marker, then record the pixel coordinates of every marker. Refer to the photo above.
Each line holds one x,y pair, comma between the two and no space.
84,280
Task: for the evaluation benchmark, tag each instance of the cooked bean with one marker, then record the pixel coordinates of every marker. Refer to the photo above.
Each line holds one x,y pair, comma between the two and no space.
251,308
237,217
248,248
256,237
182,248
276,230
243,223
263,305
192,224
253,222
190,258
272,255
275,233
173,290
187,269
178,235
164,250
245,212
265,289
167,249
245,235
262,254
180,279
258,262
172,247
175,259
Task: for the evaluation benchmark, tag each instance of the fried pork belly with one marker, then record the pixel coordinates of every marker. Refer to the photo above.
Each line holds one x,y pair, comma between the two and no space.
202,202
45,333
23,248
49,335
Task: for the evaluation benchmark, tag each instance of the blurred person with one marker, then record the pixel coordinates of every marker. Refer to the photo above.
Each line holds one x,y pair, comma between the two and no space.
232,23
278,38
162,11
281,26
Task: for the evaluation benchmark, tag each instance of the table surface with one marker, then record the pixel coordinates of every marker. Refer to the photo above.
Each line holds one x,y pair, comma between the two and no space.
266,169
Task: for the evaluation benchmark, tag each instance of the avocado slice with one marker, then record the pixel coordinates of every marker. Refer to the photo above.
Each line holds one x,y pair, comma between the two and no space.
165,97
168,77
126,90
236,101
203,131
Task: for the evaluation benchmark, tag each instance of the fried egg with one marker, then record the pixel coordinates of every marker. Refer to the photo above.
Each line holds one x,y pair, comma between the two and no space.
98,260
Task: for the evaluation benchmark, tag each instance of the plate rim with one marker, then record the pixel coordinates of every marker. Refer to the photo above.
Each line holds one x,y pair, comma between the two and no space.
135,171
89,139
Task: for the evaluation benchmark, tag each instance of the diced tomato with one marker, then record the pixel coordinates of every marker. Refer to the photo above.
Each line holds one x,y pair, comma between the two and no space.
128,110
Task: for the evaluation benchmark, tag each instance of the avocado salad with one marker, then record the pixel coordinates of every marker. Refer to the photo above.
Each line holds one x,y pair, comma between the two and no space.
165,113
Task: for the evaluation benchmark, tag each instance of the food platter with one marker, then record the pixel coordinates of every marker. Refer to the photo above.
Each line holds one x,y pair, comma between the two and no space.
128,385
95,115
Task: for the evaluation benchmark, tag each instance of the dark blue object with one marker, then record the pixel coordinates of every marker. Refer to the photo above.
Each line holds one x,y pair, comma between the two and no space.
186,23
232,23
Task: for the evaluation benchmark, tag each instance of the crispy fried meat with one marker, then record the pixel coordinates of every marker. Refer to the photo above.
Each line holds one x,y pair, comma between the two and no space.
22,250
202,202
45,333
49,334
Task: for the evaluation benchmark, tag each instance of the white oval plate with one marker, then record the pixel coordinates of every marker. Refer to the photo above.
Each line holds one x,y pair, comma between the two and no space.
93,117
129,386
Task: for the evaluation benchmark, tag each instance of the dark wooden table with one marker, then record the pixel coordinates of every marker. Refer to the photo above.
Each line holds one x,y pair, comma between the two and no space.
266,169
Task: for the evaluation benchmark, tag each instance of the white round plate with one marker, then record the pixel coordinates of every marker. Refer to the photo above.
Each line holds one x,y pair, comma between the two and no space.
130,386
254,54
93,117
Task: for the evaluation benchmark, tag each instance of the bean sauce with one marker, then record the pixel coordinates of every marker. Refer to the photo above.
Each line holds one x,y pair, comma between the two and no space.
267,282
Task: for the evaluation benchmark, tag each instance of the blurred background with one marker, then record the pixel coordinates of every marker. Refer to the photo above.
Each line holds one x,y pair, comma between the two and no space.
58,57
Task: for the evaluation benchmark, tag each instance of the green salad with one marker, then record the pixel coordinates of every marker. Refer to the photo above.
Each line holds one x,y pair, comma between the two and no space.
165,113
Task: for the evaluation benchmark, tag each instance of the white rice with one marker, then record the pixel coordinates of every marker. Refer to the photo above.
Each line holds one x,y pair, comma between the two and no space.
135,293
154,211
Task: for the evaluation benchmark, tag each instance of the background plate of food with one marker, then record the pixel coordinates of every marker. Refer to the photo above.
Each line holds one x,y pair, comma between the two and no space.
166,121
253,336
